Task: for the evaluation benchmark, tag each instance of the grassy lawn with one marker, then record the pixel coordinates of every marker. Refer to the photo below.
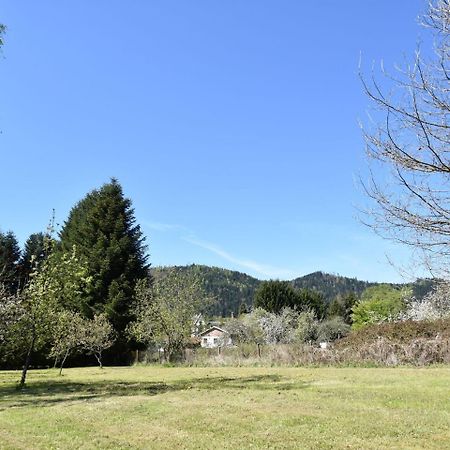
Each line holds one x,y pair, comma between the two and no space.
204,408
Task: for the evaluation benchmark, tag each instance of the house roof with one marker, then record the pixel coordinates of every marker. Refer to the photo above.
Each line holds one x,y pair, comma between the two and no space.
209,330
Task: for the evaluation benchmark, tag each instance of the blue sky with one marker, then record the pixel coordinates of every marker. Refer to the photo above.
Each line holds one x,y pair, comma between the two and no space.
233,126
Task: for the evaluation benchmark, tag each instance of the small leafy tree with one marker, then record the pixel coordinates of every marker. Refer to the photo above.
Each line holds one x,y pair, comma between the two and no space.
68,336
49,290
332,329
306,330
98,336
378,303
165,311
237,330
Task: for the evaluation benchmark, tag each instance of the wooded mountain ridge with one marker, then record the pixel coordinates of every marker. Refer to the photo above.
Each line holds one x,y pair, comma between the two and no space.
233,290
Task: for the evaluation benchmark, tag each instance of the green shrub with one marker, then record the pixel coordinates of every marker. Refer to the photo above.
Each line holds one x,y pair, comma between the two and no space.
332,329
378,303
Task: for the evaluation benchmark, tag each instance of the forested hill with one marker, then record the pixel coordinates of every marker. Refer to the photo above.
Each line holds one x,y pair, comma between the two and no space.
331,285
230,288
233,289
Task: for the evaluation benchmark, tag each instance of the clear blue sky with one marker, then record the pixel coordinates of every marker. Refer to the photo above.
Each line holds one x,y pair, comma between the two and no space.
232,125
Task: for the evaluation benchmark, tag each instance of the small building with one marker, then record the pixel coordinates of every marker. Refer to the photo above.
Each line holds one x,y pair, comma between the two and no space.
214,337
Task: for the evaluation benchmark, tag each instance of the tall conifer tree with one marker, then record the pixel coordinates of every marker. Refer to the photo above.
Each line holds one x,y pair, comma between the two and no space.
34,252
103,228
9,261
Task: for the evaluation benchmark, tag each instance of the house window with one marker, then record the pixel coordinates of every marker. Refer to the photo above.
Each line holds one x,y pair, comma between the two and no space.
205,340
215,340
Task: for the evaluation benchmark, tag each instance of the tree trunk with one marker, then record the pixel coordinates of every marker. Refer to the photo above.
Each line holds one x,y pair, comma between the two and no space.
99,359
63,361
27,362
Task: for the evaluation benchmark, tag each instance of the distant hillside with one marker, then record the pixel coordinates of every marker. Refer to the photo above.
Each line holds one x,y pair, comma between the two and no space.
232,288
331,285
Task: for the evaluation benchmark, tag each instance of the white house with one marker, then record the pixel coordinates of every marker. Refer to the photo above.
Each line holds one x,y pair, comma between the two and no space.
214,337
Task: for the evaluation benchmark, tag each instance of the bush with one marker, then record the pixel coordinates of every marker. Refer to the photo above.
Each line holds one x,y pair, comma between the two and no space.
332,329
435,305
399,332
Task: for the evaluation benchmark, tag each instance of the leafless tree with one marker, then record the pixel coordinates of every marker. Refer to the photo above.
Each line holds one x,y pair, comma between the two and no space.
409,149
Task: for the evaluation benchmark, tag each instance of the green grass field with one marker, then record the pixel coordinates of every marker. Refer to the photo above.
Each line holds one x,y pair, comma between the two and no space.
204,408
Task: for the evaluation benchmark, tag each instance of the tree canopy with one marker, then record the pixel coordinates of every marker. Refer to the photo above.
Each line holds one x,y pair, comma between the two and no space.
274,295
378,303
9,261
103,228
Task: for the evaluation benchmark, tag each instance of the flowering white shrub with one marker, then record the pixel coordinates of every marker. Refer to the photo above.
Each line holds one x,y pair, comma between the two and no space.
435,305
264,327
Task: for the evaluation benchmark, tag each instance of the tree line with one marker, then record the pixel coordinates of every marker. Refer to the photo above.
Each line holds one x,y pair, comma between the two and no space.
81,278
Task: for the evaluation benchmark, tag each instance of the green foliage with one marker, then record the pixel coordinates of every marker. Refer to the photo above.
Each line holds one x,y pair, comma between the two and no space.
342,306
332,329
98,336
9,261
383,292
73,333
67,336
165,311
254,333
330,286
377,303
35,250
102,226
307,299
306,330
274,295
61,280
233,290
10,314
64,278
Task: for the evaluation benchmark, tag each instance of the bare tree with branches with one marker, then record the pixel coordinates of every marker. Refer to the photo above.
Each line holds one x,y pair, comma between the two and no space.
411,205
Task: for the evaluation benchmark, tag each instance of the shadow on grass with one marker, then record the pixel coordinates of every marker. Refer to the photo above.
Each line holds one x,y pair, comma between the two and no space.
46,393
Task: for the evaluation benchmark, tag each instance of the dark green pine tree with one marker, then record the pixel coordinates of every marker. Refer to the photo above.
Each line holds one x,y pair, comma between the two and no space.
341,306
34,252
274,295
9,261
102,226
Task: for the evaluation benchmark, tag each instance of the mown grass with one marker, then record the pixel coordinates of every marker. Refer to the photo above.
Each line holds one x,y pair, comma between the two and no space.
203,408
